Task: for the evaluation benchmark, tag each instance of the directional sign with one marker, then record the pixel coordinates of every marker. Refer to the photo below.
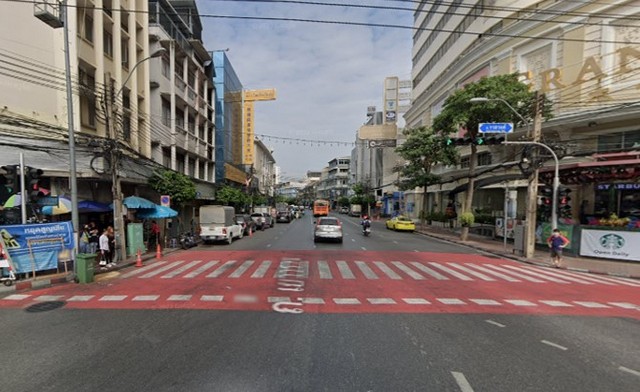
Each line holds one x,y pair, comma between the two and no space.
495,127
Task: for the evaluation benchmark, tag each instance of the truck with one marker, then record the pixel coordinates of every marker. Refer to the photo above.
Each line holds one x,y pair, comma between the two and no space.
355,210
218,223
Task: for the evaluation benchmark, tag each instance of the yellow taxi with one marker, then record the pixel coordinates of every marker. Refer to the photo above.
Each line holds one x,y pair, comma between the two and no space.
401,223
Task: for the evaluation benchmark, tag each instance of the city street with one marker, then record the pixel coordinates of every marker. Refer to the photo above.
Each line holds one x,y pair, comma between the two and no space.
276,312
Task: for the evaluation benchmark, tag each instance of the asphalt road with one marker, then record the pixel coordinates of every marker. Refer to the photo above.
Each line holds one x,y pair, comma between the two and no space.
186,348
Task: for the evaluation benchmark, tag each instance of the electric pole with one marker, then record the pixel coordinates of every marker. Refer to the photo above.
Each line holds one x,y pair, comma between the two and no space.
532,190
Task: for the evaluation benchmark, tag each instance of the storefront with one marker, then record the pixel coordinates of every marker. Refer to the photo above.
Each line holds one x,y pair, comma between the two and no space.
621,198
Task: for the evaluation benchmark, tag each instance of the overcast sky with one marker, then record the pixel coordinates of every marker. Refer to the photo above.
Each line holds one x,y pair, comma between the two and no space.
325,75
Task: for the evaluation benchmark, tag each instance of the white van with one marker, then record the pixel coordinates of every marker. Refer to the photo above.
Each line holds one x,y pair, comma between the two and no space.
218,223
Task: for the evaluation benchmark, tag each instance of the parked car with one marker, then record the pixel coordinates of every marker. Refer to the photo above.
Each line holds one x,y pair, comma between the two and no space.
248,225
327,228
401,223
218,223
268,219
284,217
259,220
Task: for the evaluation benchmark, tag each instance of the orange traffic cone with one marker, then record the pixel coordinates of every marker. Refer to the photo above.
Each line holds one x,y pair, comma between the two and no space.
139,259
158,251
250,232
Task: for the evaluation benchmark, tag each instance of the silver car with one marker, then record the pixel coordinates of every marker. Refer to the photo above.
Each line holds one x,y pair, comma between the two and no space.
327,228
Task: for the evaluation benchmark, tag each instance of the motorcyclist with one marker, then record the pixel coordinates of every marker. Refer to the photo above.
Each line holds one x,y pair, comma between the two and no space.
366,222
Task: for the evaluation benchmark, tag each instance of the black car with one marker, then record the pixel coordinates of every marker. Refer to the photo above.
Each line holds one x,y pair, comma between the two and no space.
248,225
283,216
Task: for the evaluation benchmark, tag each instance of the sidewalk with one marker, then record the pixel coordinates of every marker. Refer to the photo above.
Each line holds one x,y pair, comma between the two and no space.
541,257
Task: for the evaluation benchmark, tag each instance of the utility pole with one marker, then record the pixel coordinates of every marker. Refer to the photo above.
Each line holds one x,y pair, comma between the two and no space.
532,190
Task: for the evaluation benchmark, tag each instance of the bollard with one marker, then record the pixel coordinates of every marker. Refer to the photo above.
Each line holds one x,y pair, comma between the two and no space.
139,259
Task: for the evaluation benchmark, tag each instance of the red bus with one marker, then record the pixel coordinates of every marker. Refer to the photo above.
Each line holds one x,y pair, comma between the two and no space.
320,208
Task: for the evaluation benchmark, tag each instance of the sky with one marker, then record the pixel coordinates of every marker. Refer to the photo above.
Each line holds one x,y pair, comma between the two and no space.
325,75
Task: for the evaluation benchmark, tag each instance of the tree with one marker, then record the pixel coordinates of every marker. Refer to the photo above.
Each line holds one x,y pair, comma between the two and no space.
168,182
422,150
459,114
229,195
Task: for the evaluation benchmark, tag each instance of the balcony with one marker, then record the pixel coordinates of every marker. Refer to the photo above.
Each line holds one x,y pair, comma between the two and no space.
181,86
181,137
191,97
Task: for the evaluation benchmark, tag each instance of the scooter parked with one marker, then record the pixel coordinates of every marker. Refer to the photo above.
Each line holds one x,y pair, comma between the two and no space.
187,240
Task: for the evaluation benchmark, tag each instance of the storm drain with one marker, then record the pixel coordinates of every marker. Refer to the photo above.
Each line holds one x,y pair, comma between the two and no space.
45,306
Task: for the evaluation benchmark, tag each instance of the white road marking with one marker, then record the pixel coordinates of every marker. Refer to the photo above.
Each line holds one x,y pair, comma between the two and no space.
113,298
536,274
224,267
413,274
17,297
201,269
554,345
416,301
346,301
395,242
179,298
161,270
429,271
303,269
262,270
324,270
363,248
588,304
631,371
625,305
470,272
495,323
451,301
462,382
180,270
450,271
494,273
145,298
519,302
48,298
278,299
387,271
353,240
381,301
489,302
242,269
561,276
343,267
212,298
143,269
557,304
622,281
245,299
312,301
81,298
368,273
521,276
268,245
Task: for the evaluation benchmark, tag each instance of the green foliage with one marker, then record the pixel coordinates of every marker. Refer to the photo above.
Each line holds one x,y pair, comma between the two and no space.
343,201
258,200
486,219
229,195
466,219
436,216
168,182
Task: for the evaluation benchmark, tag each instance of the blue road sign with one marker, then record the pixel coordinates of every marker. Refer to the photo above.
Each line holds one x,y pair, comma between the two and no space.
495,127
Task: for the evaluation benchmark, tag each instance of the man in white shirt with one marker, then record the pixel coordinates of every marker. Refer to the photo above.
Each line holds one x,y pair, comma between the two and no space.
106,258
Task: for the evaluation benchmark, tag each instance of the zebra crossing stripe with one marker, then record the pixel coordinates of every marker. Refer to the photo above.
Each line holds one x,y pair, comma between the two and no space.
413,274
242,269
537,274
212,298
381,301
262,269
17,297
605,279
180,270
451,301
519,302
179,298
161,270
312,301
81,298
427,270
487,302
450,271
583,277
387,271
561,276
368,272
557,304
143,269
201,269
324,270
494,273
224,267
145,298
588,304
416,301
113,298
48,298
625,305
521,276
346,301
278,299
474,273
634,282
344,270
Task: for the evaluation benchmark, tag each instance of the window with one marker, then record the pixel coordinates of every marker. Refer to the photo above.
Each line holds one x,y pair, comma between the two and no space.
108,44
87,98
618,141
464,162
125,54
166,113
87,30
484,159
166,68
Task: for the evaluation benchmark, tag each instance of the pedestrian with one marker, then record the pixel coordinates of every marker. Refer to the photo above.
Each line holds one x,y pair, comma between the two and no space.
105,252
154,236
556,243
112,244
84,239
94,233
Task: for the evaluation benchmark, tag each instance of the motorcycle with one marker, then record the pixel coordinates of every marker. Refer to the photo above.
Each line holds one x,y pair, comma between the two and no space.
366,231
187,240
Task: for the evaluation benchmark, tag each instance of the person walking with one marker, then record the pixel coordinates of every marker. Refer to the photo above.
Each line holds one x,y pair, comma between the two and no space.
154,236
84,240
556,243
105,252
94,233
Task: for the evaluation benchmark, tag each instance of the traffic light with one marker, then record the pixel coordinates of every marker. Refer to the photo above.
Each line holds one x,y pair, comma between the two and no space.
564,208
478,141
33,183
11,178
459,141
545,200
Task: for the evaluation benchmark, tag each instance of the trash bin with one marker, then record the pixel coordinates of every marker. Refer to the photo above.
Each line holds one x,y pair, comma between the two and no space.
85,267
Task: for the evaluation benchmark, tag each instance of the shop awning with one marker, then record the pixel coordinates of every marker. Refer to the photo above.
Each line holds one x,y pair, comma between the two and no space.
481,182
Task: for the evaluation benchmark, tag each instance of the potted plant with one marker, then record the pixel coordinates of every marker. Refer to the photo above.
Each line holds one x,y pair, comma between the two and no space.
466,219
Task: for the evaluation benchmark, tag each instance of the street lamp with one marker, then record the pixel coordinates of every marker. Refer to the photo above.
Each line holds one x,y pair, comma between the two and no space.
118,223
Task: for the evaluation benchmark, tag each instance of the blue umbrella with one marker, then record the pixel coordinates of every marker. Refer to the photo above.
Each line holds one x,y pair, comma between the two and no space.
136,202
93,206
157,213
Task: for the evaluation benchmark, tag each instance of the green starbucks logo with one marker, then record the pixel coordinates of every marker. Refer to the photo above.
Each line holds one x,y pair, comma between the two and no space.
611,241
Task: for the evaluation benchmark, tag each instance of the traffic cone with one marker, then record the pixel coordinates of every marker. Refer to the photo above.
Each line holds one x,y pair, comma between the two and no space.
139,259
158,251
250,232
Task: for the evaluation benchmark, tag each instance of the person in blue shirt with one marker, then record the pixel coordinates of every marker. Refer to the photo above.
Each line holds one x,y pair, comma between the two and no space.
556,243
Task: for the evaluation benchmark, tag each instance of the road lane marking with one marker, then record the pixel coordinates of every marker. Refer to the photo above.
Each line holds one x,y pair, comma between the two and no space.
161,270
416,301
303,269
451,301
113,298
495,323
262,269
278,299
387,271
622,281
312,301
488,302
494,273
536,274
180,270
450,271
245,299
343,267
631,371
395,242
224,267
561,276
474,273
558,304
521,276
143,269
17,297
413,274
145,298
589,304
462,382
242,269
179,298
346,301
519,302
625,305
48,298
212,298
324,270
368,272
556,345
201,269
381,301
429,271
363,248
81,298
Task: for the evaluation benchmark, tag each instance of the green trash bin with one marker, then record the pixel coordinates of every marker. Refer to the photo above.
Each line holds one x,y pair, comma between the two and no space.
85,265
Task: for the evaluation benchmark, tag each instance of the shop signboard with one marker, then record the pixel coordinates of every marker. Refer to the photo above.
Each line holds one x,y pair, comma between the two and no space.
543,232
610,244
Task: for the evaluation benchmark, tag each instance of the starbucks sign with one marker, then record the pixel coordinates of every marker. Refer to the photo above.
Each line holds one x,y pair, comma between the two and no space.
623,245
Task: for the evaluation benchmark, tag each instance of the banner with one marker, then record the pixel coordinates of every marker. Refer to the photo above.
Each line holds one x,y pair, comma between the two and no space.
543,232
38,247
610,244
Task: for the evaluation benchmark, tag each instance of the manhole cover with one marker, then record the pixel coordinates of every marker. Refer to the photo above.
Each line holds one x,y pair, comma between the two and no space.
45,306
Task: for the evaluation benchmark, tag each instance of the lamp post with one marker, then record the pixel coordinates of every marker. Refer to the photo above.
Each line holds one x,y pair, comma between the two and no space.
118,223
